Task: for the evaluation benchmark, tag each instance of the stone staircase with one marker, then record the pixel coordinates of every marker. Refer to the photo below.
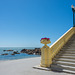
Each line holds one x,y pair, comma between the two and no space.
65,59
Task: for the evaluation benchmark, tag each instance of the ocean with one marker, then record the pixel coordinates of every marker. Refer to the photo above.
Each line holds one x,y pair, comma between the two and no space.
16,56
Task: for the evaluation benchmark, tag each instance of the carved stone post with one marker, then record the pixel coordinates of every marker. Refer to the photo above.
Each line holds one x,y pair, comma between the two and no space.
46,59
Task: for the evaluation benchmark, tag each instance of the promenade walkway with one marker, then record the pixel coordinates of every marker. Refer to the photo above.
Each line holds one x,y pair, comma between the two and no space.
24,67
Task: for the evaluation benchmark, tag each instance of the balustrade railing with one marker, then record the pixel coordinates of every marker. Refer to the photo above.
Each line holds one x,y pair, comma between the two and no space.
55,48
48,53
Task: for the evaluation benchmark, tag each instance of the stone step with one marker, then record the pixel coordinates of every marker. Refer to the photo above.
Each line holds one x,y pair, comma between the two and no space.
64,67
67,57
67,52
62,59
70,41
60,68
68,48
68,67
69,71
70,44
64,63
60,54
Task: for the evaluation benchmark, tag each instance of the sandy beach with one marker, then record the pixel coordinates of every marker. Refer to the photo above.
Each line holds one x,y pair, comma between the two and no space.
24,67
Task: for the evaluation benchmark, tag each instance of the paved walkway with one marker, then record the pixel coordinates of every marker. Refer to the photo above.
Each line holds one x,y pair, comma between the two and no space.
24,67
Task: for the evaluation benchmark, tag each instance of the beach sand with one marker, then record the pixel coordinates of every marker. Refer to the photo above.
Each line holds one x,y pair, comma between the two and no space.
24,67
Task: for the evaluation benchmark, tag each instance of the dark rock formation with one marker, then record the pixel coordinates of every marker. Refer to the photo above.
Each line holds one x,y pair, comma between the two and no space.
36,51
30,52
16,52
4,50
5,54
23,51
12,54
8,50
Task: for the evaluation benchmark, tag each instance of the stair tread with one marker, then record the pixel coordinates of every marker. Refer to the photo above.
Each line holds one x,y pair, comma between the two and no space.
60,68
64,59
69,71
67,66
64,62
70,47
67,49
66,56
64,67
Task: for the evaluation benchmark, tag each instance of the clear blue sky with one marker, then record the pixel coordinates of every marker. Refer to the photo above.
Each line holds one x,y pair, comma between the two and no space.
24,22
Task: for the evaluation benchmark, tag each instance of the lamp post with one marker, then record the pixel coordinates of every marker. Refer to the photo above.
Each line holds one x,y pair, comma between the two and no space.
73,9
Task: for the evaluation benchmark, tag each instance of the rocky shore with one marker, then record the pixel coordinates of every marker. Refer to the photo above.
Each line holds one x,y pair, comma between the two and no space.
36,51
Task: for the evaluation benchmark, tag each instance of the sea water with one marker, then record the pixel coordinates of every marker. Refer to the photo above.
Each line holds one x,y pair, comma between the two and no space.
16,56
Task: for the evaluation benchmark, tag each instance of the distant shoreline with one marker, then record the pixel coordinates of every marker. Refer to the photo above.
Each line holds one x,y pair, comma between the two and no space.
17,54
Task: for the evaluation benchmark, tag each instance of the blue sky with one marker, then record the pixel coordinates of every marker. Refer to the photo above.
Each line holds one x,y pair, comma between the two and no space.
24,22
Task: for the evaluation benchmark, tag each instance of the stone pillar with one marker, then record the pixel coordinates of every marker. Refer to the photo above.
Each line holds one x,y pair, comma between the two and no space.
45,54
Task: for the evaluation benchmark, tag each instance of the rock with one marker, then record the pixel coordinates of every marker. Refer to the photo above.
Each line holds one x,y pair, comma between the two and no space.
4,50
23,51
30,53
12,54
36,51
16,52
5,54
10,50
